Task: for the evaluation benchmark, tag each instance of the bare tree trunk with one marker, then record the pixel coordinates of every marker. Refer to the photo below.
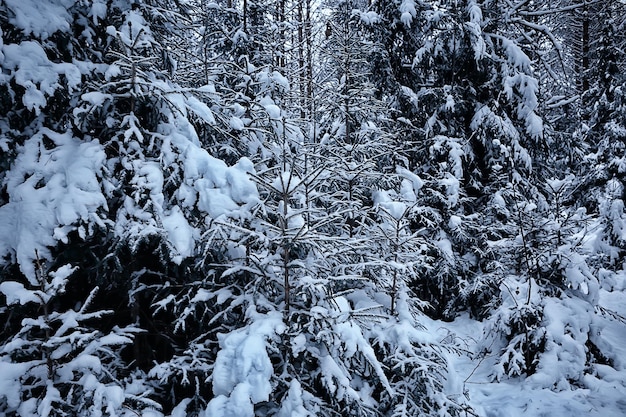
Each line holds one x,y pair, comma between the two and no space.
585,49
281,61
309,60
581,46
245,16
301,65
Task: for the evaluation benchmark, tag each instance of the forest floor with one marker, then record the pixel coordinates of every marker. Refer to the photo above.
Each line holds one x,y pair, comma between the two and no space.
602,392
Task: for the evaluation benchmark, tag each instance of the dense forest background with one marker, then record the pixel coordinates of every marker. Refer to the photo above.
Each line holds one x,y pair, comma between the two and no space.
312,208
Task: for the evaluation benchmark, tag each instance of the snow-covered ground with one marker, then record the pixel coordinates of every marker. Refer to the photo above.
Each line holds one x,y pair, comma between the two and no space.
602,395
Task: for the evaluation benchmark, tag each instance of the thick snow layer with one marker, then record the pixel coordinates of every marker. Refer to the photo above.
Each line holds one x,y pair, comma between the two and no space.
516,56
293,405
242,372
474,26
407,12
200,109
60,191
369,17
416,182
219,189
40,18
38,75
273,111
601,392
15,293
395,209
180,233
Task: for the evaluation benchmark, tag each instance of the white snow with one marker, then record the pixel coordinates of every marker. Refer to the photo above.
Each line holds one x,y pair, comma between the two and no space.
181,409
59,278
415,180
61,190
95,98
407,12
286,182
242,371
16,293
478,43
528,87
236,123
293,405
38,75
98,10
218,189
180,233
455,222
452,186
396,209
517,397
450,103
200,109
516,56
273,111
369,17
270,81
40,18
407,191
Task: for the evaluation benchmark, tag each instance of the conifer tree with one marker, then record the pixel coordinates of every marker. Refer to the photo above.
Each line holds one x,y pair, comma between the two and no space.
274,208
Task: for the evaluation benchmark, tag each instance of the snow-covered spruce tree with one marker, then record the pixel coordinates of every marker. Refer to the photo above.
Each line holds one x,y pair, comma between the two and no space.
256,254
58,356
555,53
551,291
171,197
293,327
235,61
398,257
553,287
467,98
317,336
57,363
105,173
352,140
470,94
569,252
605,132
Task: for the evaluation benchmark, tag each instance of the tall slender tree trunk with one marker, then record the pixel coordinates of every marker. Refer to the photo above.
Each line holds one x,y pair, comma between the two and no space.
245,16
585,48
581,46
302,72
281,19
309,59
